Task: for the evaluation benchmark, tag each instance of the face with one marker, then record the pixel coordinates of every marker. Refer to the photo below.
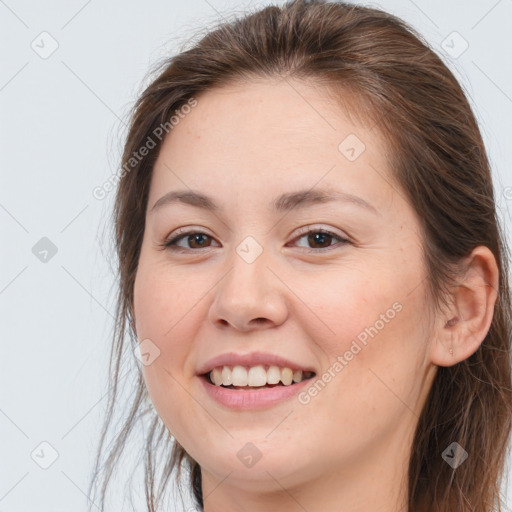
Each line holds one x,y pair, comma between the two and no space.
336,287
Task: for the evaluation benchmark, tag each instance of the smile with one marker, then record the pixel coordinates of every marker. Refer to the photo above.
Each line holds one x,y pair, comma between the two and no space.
256,387
241,377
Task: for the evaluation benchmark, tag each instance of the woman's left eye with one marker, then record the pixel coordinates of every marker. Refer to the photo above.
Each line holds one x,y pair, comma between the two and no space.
322,236
317,237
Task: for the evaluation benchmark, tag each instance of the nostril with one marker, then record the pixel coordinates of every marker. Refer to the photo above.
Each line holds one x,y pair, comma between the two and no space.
260,321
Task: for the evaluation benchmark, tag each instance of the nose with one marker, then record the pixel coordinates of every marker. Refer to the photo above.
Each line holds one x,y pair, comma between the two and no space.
250,296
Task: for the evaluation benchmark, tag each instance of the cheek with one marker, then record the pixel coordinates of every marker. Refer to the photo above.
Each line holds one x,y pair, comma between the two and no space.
355,308
163,315
373,338
162,312
164,300
375,377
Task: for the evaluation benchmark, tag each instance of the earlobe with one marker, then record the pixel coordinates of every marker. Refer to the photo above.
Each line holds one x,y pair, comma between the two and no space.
459,333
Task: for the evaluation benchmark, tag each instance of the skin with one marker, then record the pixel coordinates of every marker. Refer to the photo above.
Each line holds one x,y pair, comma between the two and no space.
244,145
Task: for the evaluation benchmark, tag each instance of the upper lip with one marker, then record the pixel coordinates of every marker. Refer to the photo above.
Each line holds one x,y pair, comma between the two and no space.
251,359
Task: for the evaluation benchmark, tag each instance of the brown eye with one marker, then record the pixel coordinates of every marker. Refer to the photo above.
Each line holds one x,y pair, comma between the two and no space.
321,240
199,239
193,240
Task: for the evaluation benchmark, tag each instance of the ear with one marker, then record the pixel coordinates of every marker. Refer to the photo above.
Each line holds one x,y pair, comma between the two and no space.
463,327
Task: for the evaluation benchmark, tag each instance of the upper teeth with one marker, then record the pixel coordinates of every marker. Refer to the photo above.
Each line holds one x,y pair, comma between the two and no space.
255,376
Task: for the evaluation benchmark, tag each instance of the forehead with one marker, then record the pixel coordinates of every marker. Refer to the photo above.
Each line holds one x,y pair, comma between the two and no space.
277,134
256,112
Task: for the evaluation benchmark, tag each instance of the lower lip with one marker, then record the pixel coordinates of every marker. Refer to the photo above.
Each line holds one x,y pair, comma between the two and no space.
242,399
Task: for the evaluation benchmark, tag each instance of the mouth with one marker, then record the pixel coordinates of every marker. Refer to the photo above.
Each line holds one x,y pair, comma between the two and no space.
223,378
259,387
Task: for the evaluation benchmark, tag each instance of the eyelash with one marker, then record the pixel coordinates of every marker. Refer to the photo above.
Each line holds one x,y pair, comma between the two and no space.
171,244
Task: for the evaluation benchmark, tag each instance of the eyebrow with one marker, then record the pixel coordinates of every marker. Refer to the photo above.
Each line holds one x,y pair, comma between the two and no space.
283,203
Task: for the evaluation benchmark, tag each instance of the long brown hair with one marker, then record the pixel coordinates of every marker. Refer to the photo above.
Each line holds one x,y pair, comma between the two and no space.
438,158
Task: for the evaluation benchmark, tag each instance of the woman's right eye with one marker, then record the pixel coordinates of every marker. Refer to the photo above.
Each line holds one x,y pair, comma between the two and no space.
190,237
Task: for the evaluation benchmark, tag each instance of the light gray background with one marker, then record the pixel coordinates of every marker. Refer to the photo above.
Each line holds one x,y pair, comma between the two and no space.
61,134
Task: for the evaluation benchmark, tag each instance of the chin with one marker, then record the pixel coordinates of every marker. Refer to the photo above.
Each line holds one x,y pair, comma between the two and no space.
252,466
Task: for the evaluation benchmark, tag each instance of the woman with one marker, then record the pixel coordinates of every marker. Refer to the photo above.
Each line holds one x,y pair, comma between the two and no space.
314,273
